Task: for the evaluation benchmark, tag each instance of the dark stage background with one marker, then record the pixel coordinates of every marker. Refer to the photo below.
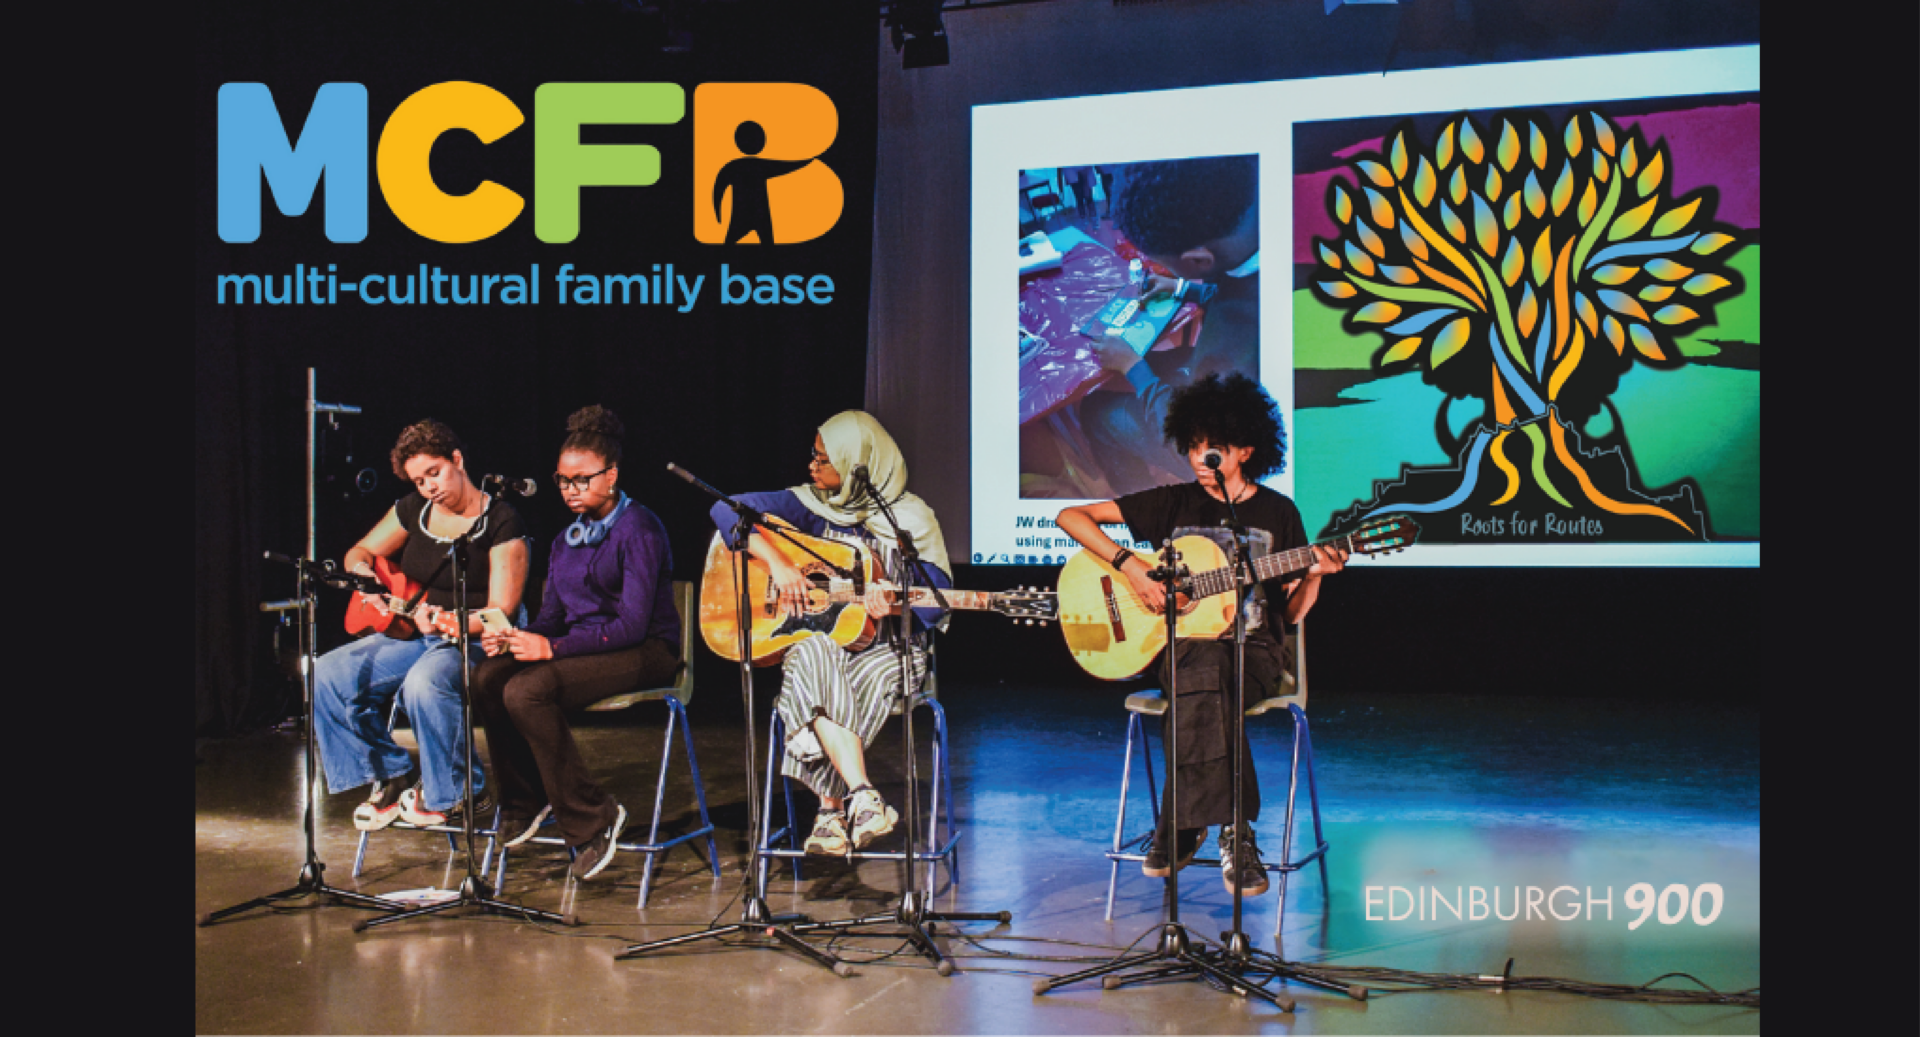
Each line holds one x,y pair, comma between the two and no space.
734,393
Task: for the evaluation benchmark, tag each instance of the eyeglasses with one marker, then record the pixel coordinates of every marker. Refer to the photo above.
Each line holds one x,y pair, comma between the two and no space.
580,483
819,458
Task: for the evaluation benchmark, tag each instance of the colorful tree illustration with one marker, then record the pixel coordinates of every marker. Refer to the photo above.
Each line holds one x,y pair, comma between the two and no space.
1528,267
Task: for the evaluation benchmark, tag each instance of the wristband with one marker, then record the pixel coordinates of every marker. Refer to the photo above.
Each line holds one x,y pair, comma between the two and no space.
1120,558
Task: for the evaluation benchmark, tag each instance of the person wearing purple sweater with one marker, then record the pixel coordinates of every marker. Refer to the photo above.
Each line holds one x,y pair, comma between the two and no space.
607,625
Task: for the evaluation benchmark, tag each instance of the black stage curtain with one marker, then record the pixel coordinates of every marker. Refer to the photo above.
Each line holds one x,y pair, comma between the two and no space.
732,393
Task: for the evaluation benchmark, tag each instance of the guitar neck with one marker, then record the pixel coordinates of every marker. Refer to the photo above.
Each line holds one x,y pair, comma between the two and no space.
1220,581
922,597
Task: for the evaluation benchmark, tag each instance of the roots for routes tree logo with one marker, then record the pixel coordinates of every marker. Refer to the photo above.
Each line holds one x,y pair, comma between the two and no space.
1530,266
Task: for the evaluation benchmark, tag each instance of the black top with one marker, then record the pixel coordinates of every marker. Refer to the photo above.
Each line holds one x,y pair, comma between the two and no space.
1187,508
424,558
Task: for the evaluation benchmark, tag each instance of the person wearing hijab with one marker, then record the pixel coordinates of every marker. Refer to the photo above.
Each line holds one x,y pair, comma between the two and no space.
832,701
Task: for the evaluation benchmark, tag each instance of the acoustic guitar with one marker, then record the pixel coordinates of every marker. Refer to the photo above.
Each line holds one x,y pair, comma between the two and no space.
403,595
1114,636
836,607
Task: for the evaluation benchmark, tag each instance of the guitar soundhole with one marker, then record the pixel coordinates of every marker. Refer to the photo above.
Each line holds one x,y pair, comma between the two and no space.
820,596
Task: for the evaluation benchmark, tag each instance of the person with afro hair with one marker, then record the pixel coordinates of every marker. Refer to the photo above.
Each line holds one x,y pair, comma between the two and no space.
1200,220
1233,418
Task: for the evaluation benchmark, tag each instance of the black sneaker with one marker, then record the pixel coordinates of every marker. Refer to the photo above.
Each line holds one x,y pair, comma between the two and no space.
517,828
591,859
1240,860
382,807
1155,866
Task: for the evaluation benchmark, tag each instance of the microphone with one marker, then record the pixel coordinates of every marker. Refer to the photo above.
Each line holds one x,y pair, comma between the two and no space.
517,487
1211,459
860,483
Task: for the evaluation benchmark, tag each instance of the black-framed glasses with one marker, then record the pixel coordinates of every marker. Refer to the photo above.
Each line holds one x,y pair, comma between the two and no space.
580,483
817,457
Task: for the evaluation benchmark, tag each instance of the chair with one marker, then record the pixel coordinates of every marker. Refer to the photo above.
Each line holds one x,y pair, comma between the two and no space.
676,696
1153,703
936,849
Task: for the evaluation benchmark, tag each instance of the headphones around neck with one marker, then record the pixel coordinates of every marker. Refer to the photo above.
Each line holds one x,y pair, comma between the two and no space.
586,532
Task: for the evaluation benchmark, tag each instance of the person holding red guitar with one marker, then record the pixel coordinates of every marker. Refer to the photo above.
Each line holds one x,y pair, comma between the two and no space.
832,701
417,658
1235,421
607,625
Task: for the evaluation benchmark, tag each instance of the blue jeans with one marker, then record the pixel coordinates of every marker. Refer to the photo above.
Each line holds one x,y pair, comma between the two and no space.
354,687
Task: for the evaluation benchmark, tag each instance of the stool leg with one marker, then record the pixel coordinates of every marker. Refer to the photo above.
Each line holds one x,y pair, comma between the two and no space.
1286,838
946,783
1120,821
699,789
1313,797
939,774
659,799
360,855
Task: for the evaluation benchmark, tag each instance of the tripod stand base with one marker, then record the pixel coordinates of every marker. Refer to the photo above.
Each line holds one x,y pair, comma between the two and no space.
310,883
913,925
757,921
1174,958
474,892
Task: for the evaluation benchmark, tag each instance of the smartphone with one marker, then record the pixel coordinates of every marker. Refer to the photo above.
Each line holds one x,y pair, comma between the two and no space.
494,621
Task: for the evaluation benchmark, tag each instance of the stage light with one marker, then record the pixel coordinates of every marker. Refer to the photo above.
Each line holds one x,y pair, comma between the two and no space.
918,33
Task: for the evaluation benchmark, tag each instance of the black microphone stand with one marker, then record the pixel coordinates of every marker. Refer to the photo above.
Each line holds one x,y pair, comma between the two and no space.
474,889
914,914
756,919
312,880
1174,956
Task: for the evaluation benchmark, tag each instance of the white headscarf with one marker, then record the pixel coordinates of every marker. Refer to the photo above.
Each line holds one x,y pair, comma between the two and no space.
854,438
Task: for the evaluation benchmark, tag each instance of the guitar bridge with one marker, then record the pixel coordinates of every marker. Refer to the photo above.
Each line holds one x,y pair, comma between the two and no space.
1113,609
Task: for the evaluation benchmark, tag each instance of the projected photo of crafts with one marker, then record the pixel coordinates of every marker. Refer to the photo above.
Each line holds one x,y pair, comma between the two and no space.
1135,280
1535,326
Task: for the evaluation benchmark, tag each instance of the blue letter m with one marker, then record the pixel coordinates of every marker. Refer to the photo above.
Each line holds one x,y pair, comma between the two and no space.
253,141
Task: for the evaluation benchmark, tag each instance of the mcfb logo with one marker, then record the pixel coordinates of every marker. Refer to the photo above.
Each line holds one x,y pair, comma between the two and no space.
758,177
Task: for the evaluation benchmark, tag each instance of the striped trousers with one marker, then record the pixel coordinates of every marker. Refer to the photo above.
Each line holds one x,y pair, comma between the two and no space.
854,690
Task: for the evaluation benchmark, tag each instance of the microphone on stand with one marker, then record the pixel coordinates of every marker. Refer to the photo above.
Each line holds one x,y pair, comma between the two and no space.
862,486
1212,459
517,487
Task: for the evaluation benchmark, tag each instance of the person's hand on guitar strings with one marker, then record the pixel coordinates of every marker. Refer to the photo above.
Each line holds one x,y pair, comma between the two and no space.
793,586
1327,560
1149,590
880,600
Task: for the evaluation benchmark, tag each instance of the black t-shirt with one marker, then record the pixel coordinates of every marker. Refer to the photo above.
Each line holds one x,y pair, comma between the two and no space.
425,560
1271,517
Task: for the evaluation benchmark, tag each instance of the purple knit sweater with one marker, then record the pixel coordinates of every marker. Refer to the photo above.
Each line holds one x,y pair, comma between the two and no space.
612,595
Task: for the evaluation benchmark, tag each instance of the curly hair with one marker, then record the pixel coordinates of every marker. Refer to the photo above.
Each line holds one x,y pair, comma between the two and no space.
1165,208
596,430
1228,412
426,436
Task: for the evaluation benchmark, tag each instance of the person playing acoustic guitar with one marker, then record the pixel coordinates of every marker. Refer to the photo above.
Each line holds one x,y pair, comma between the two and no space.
832,701
607,625
354,684
1234,417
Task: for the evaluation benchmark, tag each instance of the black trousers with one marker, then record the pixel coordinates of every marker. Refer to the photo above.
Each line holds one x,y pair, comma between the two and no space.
1205,705
530,748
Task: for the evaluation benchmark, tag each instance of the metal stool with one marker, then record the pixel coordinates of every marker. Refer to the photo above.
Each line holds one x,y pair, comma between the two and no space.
935,852
1153,703
676,696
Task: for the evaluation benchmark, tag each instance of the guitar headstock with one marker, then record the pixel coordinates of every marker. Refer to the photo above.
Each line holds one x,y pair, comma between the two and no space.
1384,535
1035,605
